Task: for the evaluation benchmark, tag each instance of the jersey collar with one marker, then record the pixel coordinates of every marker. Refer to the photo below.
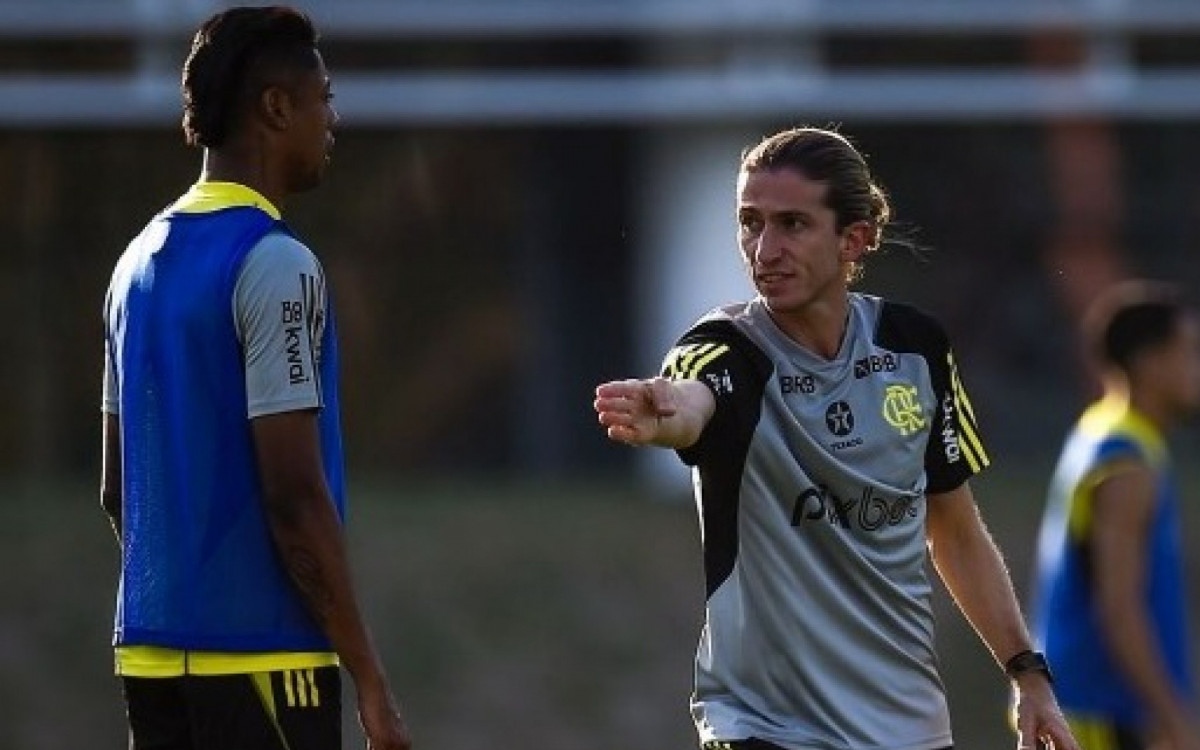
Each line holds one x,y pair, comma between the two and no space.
204,197
1116,413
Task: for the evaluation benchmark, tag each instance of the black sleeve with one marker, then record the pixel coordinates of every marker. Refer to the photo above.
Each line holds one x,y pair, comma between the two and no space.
955,451
716,354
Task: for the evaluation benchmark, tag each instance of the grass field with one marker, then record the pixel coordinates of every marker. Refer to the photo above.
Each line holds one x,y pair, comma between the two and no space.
540,617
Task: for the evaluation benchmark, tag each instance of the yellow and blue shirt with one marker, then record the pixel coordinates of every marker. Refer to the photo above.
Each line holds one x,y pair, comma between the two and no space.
202,588
1089,683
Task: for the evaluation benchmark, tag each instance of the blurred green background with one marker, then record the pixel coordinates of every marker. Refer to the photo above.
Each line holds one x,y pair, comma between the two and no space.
526,614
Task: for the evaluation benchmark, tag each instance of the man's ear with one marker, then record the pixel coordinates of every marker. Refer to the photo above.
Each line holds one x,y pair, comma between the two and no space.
856,241
276,107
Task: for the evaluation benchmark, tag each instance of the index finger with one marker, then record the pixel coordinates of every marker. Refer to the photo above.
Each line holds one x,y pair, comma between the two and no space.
618,388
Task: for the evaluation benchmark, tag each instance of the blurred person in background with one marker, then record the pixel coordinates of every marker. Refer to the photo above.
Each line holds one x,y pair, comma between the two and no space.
1110,606
832,443
223,467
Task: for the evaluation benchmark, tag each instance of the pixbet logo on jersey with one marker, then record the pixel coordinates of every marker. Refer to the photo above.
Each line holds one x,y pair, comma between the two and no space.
868,511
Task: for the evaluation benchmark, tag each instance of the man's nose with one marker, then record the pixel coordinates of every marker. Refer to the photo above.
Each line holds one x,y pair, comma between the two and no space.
767,247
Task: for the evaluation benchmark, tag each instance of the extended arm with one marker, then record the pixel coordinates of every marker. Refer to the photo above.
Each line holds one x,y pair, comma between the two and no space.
655,411
110,471
1122,506
308,536
973,570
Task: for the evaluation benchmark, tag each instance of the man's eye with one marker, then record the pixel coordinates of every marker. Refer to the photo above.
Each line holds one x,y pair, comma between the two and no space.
750,224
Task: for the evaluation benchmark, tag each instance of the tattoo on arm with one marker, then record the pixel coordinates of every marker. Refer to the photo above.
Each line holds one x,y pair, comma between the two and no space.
310,578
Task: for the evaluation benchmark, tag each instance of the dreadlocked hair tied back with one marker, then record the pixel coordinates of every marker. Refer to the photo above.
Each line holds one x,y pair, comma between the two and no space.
231,57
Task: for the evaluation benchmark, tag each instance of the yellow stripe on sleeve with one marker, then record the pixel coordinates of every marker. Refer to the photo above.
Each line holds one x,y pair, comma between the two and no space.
706,360
972,446
960,393
686,362
966,425
671,366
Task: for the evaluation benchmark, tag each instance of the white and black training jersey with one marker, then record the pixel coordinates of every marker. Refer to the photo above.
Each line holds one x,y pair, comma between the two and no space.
811,480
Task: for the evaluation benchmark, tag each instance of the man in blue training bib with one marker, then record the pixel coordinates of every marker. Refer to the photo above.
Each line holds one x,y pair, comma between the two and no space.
223,468
1111,603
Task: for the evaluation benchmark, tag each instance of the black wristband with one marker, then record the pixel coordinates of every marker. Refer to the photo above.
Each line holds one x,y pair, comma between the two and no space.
1028,661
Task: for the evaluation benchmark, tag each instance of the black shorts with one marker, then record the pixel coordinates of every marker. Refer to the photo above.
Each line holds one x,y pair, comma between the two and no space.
293,709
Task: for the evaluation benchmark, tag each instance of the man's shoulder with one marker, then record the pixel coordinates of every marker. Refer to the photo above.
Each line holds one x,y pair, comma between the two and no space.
281,241
904,327
280,251
728,312
1119,433
724,323
723,337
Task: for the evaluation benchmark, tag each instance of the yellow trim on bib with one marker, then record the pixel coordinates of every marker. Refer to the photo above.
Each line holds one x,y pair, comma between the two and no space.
205,197
155,661
1110,417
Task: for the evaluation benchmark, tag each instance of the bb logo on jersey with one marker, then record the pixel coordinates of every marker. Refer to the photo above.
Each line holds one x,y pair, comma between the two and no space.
875,363
902,409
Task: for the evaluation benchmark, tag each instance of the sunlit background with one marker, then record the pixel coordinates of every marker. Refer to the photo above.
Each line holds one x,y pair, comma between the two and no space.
529,197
